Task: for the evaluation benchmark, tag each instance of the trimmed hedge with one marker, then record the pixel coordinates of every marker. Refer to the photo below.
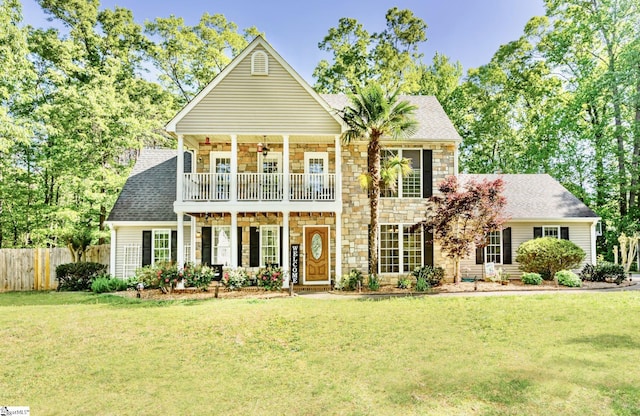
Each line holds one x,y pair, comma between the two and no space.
603,272
548,256
78,276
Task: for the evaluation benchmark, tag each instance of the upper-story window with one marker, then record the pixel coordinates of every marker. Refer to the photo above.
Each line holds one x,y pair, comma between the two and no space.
259,63
551,231
410,186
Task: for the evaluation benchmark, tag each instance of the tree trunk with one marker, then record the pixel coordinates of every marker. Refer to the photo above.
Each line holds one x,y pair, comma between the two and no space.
374,199
634,191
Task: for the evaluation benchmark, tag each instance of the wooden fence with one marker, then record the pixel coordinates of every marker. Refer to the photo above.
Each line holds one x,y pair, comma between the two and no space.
35,268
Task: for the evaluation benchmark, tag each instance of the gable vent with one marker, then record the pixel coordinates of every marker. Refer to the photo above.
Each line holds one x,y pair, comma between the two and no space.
259,63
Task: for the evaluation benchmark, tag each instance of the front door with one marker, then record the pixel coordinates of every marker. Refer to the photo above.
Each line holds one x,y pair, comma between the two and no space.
316,244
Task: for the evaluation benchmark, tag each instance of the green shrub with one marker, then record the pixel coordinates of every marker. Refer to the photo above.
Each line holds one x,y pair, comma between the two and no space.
548,255
422,285
349,281
531,278
78,276
404,283
432,275
105,283
604,271
100,285
568,278
374,282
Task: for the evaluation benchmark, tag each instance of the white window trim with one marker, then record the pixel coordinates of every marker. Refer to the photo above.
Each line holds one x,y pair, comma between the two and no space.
153,243
264,56
557,227
316,155
400,247
273,227
486,257
276,155
217,155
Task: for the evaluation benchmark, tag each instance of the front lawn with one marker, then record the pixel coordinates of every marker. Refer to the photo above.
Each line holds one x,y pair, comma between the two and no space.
65,353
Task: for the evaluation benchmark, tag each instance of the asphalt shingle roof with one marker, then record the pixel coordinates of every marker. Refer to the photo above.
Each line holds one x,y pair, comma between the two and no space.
150,190
536,196
433,123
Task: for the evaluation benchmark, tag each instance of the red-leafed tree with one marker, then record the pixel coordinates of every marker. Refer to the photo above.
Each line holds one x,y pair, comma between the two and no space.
462,217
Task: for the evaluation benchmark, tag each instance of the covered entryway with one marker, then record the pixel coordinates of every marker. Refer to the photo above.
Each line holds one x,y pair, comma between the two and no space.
316,247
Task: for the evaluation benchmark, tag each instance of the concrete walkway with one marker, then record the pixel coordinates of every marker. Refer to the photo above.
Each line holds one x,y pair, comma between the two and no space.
632,286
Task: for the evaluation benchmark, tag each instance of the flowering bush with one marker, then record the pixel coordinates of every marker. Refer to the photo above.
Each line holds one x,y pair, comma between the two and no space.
199,276
165,276
270,278
234,279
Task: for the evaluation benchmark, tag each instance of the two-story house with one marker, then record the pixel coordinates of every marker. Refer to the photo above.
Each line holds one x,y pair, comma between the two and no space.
260,170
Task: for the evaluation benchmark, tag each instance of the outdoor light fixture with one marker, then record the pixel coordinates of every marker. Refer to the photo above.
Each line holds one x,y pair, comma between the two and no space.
207,141
262,147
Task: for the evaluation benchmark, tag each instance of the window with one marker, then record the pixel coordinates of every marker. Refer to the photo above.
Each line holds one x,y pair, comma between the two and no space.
411,249
269,245
400,248
493,250
410,186
552,231
221,245
161,246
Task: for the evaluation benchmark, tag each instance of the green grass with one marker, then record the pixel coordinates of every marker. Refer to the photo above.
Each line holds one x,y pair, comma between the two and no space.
570,354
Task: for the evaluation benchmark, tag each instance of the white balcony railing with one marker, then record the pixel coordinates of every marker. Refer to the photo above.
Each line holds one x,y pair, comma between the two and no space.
259,187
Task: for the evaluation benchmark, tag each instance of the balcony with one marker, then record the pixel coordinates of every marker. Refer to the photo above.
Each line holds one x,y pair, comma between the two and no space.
216,187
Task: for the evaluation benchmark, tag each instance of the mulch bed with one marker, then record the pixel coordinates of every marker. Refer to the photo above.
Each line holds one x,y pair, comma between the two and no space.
257,293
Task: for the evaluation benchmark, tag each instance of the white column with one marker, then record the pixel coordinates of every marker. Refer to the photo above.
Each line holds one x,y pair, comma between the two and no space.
286,168
234,172
339,172
112,253
234,240
285,248
192,256
594,257
338,246
180,168
180,254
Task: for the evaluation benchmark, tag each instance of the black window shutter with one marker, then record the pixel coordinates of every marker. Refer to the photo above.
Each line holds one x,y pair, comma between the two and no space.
428,247
146,248
564,233
281,241
480,255
239,246
427,173
537,232
254,247
206,246
174,245
506,246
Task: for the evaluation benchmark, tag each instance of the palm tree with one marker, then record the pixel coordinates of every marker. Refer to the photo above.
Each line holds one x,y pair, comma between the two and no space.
372,115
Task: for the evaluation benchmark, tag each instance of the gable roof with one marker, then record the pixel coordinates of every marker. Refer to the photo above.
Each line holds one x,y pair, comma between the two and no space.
433,122
150,190
536,196
260,44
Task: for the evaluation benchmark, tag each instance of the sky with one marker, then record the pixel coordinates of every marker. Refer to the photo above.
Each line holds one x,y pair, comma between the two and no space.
468,31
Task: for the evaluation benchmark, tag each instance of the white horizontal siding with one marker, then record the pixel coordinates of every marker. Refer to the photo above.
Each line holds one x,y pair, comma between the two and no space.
579,233
245,103
133,235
